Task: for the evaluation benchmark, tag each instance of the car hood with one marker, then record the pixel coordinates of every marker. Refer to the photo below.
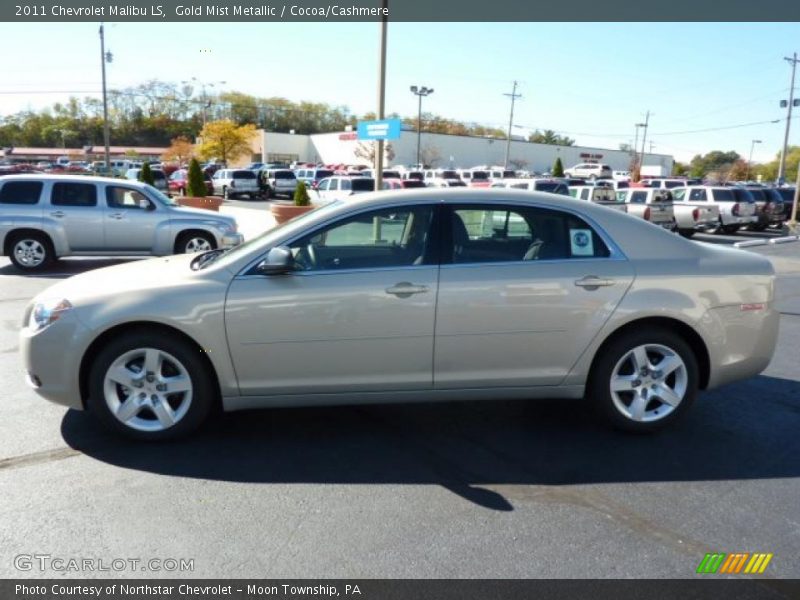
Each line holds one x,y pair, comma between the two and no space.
200,213
136,279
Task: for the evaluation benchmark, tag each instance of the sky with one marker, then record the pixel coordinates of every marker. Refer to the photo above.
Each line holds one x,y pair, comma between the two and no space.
708,86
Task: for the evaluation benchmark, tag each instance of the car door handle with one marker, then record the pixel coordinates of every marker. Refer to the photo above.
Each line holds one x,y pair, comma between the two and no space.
57,213
593,282
117,216
405,289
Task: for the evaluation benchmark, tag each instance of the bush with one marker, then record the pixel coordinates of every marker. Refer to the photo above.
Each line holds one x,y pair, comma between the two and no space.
558,168
196,186
146,175
301,197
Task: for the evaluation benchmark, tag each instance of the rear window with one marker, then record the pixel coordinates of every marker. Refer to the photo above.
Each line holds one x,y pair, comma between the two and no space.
363,184
547,186
284,175
623,185
509,174
639,197
758,194
724,195
480,175
74,194
391,175
413,183
673,184
787,194
449,175
743,195
21,192
322,173
244,175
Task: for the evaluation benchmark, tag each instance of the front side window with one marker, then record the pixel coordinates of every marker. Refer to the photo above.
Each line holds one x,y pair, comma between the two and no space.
385,238
127,198
73,194
21,192
481,234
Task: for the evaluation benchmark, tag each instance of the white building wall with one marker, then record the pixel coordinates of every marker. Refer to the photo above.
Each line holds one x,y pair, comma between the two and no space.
454,151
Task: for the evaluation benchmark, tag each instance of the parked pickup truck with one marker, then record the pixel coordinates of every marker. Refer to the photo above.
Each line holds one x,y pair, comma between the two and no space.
733,213
653,205
44,217
690,216
599,195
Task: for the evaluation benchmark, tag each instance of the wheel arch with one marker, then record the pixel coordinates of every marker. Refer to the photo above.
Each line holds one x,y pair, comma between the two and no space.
159,329
684,330
17,231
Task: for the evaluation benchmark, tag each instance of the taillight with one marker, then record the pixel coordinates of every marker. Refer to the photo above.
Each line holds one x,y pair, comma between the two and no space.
647,214
735,210
696,214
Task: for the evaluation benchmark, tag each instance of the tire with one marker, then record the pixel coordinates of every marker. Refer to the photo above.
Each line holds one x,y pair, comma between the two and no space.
190,242
640,408
141,405
730,229
687,233
31,252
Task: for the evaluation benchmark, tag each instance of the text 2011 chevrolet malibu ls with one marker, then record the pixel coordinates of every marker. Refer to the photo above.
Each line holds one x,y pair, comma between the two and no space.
409,296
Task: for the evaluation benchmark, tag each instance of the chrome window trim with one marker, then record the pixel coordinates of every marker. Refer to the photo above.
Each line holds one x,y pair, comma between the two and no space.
615,252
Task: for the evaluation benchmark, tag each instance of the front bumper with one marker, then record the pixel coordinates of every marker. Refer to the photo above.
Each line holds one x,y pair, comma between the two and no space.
230,240
51,358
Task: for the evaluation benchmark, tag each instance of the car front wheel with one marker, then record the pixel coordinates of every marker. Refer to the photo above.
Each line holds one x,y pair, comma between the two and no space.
644,380
148,386
189,243
31,252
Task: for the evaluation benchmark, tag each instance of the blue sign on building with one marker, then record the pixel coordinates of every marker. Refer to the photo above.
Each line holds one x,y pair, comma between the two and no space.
387,129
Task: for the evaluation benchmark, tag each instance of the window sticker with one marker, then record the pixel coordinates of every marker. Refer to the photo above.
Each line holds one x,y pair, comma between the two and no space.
581,242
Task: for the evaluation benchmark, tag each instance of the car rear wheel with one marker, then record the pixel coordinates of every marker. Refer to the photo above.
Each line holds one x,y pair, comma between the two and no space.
644,380
191,242
150,387
31,251
687,233
730,229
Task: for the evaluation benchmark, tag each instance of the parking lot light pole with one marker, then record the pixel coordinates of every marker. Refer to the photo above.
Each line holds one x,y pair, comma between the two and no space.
106,133
420,92
204,98
750,158
513,95
378,162
782,166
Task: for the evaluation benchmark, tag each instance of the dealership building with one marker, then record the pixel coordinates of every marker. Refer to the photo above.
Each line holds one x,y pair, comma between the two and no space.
448,151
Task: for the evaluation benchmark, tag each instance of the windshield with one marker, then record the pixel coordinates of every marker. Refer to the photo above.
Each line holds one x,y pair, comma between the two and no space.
265,239
284,175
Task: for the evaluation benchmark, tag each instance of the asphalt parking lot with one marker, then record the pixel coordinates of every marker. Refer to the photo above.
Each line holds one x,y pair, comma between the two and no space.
506,489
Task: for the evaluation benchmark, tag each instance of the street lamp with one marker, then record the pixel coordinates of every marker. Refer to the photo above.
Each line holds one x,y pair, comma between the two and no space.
420,92
203,85
105,57
750,158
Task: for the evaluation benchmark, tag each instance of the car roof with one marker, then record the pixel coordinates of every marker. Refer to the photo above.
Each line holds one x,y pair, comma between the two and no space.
73,178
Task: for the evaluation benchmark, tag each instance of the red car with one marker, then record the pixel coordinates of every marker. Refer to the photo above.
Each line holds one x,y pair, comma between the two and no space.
179,180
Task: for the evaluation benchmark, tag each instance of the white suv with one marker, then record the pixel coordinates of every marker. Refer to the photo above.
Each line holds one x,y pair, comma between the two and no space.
589,171
732,214
230,183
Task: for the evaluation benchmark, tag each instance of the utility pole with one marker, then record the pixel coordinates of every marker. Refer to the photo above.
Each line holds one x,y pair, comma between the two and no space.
106,133
381,98
782,168
513,95
644,138
635,148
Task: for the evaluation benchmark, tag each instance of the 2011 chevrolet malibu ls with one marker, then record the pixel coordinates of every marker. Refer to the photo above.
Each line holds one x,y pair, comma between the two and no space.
409,296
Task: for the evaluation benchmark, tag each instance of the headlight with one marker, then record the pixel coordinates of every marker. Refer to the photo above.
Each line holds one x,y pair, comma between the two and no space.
47,312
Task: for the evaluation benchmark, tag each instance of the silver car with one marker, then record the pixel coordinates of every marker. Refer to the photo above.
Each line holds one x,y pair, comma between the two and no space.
423,295
235,183
45,217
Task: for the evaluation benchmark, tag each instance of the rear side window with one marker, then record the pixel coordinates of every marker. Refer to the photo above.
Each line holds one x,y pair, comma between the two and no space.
74,194
21,192
697,196
723,195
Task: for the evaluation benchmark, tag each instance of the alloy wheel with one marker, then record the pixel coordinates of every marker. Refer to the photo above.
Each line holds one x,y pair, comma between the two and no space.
648,383
29,253
197,244
147,389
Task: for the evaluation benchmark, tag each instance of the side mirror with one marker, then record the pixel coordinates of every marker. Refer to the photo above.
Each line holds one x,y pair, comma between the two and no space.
279,261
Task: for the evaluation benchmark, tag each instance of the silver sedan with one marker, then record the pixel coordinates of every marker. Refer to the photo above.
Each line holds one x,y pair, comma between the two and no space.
412,296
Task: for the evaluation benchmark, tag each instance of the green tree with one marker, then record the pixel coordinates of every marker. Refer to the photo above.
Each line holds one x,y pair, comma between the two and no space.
558,168
716,161
679,169
196,186
301,194
548,136
146,175
224,140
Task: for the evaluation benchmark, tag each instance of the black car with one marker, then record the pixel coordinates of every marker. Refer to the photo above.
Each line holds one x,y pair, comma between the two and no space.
769,207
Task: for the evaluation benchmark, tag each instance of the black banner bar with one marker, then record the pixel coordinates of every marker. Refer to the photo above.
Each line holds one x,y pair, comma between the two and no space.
371,589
